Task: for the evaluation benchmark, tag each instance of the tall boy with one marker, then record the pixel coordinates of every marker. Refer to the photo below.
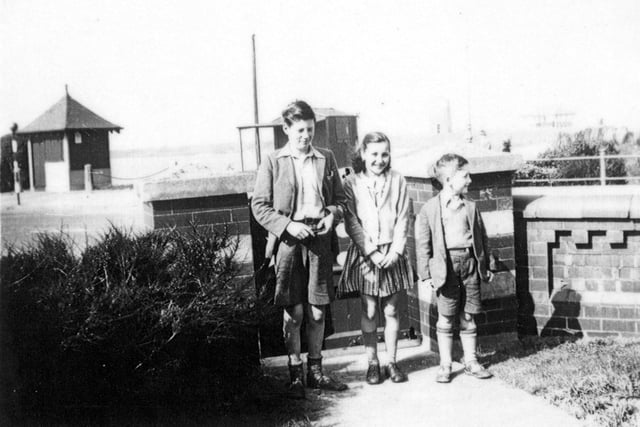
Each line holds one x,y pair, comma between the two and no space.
452,257
298,198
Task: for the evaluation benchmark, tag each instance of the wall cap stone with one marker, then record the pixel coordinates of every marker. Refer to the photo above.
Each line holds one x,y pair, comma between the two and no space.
419,163
215,185
617,206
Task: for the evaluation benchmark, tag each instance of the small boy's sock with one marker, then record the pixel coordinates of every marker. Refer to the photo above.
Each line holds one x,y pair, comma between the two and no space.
468,339
445,346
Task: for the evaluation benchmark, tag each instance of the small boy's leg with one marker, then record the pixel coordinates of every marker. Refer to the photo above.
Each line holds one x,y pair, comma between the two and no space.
469,339
444,332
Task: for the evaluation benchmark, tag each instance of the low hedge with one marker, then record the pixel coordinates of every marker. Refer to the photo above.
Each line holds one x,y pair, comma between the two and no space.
152,319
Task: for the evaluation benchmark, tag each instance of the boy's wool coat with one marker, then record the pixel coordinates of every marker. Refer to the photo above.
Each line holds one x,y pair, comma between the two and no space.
431,252
275,192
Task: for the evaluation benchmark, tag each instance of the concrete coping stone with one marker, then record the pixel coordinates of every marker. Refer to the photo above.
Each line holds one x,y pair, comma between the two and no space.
187,188
419,163
616,206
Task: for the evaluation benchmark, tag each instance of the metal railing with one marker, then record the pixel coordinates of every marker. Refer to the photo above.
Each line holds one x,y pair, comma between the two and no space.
602,178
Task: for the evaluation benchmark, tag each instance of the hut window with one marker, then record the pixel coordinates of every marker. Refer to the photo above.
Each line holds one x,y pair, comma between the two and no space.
78,138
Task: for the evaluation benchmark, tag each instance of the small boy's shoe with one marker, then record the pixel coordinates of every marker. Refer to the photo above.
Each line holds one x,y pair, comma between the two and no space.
316,379
296,386
373,373
395,374
444,374
475,369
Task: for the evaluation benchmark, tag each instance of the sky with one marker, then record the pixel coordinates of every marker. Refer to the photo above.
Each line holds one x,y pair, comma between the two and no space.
178,73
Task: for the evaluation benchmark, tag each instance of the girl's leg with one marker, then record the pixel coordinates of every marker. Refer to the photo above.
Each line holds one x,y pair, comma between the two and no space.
392,325
368,324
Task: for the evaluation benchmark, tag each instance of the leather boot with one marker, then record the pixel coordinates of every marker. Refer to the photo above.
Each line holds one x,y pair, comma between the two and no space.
296,386
316,379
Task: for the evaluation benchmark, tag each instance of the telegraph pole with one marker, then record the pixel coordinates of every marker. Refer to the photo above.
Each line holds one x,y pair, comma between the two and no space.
255,100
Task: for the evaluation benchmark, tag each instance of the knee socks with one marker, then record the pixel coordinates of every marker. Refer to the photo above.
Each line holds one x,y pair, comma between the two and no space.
468,339
445,345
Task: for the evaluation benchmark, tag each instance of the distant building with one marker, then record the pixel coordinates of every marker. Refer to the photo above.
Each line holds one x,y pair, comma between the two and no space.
64,139
335,130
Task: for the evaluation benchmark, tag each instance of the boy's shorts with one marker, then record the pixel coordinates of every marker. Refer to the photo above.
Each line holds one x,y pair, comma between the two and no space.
304,271
462,288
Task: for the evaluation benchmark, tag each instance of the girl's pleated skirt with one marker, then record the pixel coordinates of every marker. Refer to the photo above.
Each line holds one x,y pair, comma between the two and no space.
361,276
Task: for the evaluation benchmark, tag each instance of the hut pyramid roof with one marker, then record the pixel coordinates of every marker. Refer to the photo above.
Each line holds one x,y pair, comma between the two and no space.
65,114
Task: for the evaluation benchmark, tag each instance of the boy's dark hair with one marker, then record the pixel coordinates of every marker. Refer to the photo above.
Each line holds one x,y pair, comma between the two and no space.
297,110
356,161
447,162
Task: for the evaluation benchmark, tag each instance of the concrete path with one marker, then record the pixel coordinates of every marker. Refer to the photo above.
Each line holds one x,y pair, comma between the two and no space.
465,402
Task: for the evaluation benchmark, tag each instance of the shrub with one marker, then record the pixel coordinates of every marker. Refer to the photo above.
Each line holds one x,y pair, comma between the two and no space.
159,318
587,142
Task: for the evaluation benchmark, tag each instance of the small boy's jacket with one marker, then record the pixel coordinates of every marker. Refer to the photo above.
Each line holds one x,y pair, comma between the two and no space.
431,252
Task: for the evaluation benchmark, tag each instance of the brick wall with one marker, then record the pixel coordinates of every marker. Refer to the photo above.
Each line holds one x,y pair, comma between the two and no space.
579,265
220,201
492,193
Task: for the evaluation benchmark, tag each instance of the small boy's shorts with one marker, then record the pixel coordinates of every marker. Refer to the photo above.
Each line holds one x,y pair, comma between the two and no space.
462,288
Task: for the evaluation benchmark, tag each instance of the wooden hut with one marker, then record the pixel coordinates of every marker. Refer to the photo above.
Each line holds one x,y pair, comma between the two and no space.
335,130
62,141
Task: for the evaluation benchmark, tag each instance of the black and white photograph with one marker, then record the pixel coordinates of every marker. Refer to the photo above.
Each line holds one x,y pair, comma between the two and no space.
320,213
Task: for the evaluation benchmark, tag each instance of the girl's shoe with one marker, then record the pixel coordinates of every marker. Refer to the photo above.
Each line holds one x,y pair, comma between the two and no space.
373,374
395,374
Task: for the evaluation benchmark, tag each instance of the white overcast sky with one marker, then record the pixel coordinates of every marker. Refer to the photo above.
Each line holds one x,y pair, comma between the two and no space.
179,72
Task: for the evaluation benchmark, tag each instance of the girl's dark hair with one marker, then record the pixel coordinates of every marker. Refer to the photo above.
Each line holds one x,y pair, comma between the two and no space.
297,110
356,160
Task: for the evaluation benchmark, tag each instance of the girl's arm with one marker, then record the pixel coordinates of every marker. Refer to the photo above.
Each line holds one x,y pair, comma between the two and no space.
401,226
352,223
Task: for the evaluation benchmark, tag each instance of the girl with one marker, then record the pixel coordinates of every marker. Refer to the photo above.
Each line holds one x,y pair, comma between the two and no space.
375,267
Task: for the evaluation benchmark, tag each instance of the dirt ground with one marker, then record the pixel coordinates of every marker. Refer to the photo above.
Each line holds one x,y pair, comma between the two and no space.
83,215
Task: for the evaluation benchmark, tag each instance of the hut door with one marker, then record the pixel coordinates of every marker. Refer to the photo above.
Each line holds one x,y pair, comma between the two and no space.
38,165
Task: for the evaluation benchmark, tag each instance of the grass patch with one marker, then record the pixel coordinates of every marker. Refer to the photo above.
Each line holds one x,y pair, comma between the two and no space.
595,380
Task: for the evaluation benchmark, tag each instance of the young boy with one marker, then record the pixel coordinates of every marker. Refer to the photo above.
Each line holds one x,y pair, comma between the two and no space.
452,257
298,198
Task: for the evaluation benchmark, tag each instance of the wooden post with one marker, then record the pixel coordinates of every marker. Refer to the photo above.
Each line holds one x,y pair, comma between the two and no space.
88,183
603,168
17,185
241,152
30,161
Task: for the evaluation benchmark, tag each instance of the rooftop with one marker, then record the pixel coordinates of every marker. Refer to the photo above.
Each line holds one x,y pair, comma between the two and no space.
65,114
